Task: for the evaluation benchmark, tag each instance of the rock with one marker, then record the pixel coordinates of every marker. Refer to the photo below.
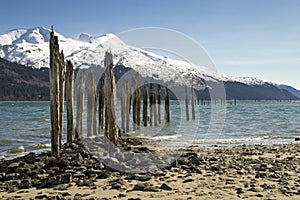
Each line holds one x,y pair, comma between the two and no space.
103,175
259,195
297,139
194,161
121,195
143,178
13,166
144,188
116,186
61,187
77,196
99,165
64,194
239,190
213,159
188,180
165,187
78,175
42,196
60,179
215,168
39,165
77,160
25,183
66,178
260,175
23,171
253,189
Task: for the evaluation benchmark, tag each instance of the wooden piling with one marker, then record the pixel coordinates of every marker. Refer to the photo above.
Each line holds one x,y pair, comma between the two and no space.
187,104
123,106
101,104
193,104
57,78
80,103
167,104
159,103
54,95
151,98
91,105
127,111
138,102
111,100
145,104
134,104
69,100
62,71
155,107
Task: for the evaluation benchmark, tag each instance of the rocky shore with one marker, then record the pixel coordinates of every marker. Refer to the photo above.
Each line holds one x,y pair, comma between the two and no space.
262,172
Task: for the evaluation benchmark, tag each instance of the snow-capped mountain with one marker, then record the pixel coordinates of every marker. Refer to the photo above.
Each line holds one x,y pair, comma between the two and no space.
31,47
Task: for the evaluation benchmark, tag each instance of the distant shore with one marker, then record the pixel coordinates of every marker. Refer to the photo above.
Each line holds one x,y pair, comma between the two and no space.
223,172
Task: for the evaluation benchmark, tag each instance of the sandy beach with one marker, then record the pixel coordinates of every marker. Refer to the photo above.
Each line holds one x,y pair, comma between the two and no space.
222,172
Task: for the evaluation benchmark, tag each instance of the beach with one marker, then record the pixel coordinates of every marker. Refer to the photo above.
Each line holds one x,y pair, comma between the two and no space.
214,172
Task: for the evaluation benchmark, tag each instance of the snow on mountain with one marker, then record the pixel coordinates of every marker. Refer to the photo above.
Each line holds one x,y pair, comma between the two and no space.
31,47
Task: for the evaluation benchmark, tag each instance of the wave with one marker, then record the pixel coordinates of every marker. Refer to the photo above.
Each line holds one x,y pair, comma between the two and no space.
15,150
249,140
161,137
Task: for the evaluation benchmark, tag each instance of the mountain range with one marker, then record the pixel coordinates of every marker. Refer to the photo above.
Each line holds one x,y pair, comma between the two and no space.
30,48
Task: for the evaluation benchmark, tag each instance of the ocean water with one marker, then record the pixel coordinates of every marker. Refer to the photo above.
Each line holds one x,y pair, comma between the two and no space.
25,126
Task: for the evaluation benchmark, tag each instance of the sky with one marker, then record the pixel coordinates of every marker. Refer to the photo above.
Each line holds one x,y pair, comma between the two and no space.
257,38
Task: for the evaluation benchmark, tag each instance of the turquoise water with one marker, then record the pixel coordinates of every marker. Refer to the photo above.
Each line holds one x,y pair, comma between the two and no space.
25,126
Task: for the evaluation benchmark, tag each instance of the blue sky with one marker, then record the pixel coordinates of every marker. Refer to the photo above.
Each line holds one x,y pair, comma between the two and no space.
259,38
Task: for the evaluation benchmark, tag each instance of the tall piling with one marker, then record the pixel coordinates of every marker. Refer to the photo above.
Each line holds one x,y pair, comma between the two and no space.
69,100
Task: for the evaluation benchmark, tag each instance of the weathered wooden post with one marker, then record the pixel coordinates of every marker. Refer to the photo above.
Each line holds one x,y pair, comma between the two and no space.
80,103
167,104
62,71
123,106
127,111
54,95
134,103
145,104
187,104
193,104
91,105
111,100
56,75
69,100
138,102
101,104
151,99
155,107
159,103
95,131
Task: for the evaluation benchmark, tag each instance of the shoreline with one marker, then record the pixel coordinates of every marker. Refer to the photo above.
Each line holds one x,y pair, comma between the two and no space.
224,172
